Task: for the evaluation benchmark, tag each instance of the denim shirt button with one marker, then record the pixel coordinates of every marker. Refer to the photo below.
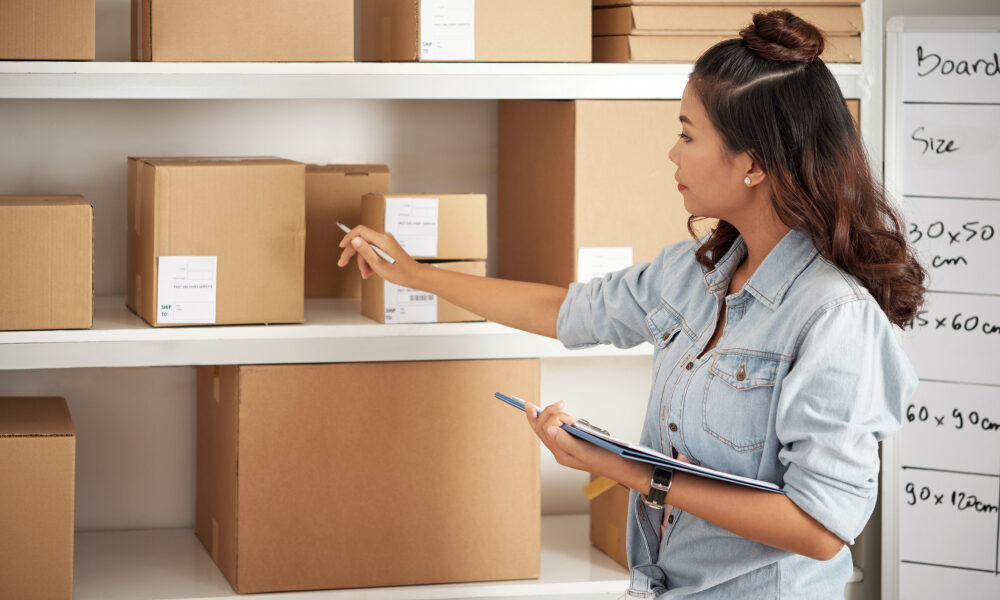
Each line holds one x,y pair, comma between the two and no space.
741,374
670,520
672,427
689,366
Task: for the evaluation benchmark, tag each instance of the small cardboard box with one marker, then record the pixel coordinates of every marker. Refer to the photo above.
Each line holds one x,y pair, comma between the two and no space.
687,47
432,226
47,271
480,31
333,193
243,30
724,20
759,4
609,521
389,303
585,187
216,241
367,474
37,470
47,30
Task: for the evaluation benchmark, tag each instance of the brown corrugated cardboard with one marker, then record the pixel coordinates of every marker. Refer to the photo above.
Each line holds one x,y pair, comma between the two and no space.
608,522
686,48
367,474
381,301
243,30
584,174
724,20
499,31
249,213
46,275
333,193
47,30
37,464
461,224
854,107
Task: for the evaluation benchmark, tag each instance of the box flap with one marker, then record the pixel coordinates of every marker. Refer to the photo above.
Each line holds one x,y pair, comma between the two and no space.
43,201
194,161
35,417
348,169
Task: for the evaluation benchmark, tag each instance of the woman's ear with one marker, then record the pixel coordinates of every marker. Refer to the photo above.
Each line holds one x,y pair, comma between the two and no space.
753,175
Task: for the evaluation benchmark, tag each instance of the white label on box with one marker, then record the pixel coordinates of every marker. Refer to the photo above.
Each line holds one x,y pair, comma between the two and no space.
185,291
414,222
598,262
448,30
405,305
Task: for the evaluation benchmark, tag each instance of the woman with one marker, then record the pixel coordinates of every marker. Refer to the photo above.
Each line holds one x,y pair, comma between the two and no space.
774,356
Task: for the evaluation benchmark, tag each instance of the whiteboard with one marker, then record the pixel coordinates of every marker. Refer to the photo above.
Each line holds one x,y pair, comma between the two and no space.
941,473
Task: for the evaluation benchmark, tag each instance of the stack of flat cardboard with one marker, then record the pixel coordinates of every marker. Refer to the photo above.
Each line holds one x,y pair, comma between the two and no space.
447,230
669,31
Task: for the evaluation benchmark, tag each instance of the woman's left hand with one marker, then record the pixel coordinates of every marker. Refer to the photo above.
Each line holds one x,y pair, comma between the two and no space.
568,450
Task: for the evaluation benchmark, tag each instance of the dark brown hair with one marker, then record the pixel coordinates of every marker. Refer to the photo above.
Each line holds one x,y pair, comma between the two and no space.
770,95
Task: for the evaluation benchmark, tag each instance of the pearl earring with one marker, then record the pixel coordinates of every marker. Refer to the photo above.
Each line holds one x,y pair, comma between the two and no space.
747,180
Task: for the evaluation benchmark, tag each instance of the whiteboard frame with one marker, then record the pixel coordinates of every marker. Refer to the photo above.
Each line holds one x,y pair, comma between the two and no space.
895,28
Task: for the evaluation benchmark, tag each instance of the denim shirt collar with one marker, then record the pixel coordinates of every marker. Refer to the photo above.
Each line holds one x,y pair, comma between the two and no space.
774,276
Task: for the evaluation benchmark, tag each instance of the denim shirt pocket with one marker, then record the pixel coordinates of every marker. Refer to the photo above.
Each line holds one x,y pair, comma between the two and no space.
664,324
737,399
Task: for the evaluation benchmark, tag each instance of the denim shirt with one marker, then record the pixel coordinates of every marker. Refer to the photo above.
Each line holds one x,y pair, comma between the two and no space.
806,379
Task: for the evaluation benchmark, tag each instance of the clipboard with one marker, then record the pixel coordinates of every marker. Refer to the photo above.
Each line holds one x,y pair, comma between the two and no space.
599,437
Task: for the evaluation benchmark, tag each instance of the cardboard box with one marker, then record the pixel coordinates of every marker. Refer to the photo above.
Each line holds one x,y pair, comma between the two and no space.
492,31
583,183
433,226
724,20
367,474
215,240
47,30
389,303
609,522
243,30
47,271
333,193
37,464
686,48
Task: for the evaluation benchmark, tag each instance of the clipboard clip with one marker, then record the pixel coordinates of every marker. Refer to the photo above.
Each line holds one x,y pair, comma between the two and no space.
587,425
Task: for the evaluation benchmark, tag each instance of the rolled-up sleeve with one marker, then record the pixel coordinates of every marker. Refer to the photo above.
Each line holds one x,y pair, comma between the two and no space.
843,395
612,309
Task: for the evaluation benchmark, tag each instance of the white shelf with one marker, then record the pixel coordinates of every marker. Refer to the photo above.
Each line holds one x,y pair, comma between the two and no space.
171,564
335,331
148,80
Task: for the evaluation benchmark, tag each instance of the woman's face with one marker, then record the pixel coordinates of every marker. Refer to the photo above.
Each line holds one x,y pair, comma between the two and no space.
710,178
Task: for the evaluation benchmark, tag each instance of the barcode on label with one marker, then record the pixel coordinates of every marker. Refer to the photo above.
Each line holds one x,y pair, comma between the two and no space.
421,297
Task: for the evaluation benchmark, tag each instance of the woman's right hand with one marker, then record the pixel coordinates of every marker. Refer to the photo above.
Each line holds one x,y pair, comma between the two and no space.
359,241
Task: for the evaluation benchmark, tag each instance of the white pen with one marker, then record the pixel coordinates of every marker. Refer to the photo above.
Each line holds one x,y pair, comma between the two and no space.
385,255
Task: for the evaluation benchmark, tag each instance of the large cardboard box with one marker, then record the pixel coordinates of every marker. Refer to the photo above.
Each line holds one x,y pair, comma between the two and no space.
47,30
724,20
243,30
37,470
609,522
687,47
47,269
480,31
216,241
390,303
367,474
333,193
433,226
585,187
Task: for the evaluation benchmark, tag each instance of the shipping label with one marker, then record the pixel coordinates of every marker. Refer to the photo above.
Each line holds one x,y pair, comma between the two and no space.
448,30
406,305
414,222
598,262
185,291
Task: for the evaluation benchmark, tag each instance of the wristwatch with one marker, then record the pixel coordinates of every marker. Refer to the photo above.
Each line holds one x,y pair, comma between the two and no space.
659,485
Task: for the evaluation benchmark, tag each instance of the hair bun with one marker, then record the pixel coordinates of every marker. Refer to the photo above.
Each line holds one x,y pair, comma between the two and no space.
781,36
